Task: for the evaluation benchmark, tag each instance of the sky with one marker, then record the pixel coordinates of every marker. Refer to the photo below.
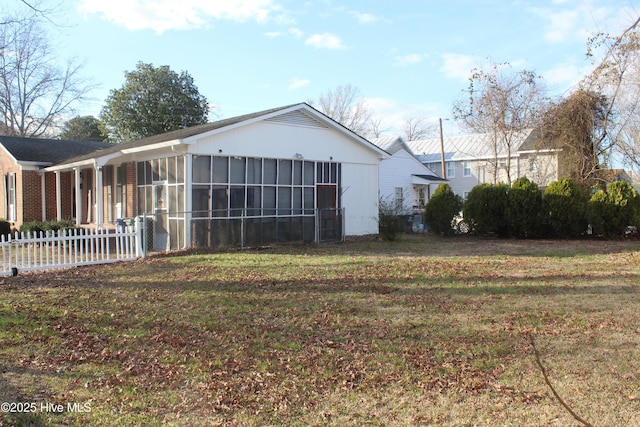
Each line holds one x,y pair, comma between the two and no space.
407,57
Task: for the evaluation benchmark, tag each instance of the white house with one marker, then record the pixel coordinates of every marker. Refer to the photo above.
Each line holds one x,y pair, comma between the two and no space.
404,181
289,173
474,159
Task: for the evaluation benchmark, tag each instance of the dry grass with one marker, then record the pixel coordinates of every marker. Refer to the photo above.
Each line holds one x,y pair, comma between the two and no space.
417,332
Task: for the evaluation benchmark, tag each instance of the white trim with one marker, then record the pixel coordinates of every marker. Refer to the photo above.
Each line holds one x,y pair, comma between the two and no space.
78,196
43,196
150,147
99,192
58,196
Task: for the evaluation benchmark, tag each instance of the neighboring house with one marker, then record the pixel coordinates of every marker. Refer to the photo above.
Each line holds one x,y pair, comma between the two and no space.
404,182
608,176
265,175
471,160
28,193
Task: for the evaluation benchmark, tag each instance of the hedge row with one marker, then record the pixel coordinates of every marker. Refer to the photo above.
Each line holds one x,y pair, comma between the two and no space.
35,227
523,210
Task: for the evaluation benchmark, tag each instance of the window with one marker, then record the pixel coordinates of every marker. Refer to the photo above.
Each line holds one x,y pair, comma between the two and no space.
451,169
466,168
10,185
398,199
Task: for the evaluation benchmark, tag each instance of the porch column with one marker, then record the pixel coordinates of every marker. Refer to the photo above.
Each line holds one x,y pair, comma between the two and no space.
43,195
78,197
188,202
58,197
99,198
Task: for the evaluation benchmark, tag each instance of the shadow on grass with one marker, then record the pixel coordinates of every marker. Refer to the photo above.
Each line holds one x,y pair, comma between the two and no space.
22,410
419,245
542,284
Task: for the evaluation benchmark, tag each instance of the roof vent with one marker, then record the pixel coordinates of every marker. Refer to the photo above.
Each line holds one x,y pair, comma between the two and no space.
297,118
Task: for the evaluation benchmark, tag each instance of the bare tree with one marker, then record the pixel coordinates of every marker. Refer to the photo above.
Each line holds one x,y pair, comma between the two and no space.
577,125
376,128
415,128
35,92
617,76
347,106
503,105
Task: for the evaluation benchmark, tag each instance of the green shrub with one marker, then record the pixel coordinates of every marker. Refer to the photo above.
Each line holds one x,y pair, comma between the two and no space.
610,212
524,208
441,208
390,220
564,204
36,227
486,209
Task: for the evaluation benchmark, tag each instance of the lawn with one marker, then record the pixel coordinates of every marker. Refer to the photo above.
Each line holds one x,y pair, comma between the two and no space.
424,331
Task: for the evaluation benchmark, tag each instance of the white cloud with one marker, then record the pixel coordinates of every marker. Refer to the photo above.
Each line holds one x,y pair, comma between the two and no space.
410,59
273,34
457,66
366,18
163,15
564,23
395,113
325,41
298,83
296,32
566,75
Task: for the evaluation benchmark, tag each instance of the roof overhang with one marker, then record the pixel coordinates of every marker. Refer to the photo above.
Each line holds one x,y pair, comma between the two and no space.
426,180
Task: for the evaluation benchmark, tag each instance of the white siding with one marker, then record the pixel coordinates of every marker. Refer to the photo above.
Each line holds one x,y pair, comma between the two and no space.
360,198
396,172
272,140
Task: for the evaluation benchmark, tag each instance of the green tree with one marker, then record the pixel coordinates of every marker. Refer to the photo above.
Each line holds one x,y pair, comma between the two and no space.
441,208
486,208
152,101
524,208
82,128
564,202
610,212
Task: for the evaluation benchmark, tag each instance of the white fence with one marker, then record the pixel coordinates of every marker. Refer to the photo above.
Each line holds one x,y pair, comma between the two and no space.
69,248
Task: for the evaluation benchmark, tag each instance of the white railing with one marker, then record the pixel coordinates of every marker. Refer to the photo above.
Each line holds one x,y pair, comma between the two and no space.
68,248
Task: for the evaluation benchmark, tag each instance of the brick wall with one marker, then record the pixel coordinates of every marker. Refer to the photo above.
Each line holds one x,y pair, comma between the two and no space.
29,197
66,192
51,196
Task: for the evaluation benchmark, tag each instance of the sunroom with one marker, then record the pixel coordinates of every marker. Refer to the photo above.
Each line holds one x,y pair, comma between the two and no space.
286,174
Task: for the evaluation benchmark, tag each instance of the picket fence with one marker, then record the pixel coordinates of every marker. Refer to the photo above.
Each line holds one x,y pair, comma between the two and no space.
68,248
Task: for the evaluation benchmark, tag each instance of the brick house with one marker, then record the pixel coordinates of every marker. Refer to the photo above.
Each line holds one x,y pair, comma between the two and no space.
28,192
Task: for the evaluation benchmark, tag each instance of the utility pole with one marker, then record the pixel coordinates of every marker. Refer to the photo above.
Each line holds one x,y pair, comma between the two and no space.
444,169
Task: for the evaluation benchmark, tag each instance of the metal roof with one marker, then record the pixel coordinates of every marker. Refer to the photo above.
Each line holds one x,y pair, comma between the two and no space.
465,147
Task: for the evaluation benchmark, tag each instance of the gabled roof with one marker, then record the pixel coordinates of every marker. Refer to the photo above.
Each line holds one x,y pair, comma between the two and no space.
47,151
300,114
391,144
465,147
